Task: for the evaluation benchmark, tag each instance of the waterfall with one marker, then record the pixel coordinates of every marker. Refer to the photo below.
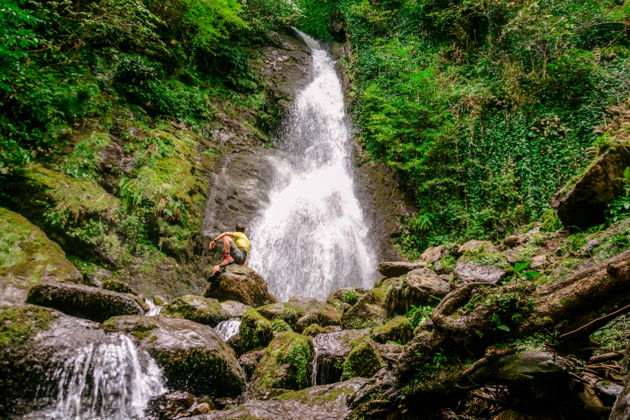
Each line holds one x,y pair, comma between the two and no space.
105,378
228,328
312,237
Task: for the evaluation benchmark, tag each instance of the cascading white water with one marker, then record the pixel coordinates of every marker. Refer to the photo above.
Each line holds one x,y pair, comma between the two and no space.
312,238
107,379
228,328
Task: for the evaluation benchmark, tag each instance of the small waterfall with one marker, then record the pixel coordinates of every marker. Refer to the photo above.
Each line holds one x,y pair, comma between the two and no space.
106,378
229,328
312,238
314,364
153,308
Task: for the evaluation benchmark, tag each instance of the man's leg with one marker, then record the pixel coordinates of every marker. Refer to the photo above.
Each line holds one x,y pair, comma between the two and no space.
227,256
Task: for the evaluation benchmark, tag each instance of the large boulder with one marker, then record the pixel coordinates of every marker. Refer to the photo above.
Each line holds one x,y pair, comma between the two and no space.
28,257
469,272
196,308
398,329
242,284
420,287
84,301
255,331
584,203
285,365
330,351
398,268
300,312
364,360
481,262
367,312
193,356
235,309
330,402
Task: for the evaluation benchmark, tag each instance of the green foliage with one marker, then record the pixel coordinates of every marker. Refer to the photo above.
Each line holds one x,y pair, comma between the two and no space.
350,297
418,315
484,108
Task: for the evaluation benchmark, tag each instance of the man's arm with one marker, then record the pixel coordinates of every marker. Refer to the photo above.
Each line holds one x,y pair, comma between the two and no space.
215,240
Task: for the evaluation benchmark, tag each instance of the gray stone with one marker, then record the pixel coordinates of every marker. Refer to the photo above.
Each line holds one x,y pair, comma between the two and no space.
330,351
241,284
469,272
474,245
234,309
196,308
433,255
420,287
398,268
84,301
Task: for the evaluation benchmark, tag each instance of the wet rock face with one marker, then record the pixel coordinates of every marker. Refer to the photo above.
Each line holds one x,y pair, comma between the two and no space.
284,365
420,287
84,301
241,284
174,405
584,204
318,402
330,351
196,308
31,258
192,355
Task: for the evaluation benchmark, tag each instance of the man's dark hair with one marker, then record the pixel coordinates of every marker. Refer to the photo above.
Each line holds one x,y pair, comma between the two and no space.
240,228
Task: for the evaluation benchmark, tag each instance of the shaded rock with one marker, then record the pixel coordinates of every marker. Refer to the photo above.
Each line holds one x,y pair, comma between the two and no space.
398,268
364,360
315,329
196,308
433,254
330,402
241,284
234,309
249,361
421,287
367,312
585,202
514,241
330,351
29,257
118,286
193,356
174,405
300,312
255,331
475,245
285,365
390,352
398,329
84,301
469,272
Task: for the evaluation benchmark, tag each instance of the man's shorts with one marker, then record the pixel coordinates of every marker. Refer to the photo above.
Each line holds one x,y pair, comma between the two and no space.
238,254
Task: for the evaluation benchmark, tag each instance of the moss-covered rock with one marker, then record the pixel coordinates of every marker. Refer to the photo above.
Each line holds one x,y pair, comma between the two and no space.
315,329
194,358
255,332
300,312
420,287
285,365
331,350
28,257
347,295
241,284
196,308
118,286
84,301
235,309
482,264
398,329
367,312
364,360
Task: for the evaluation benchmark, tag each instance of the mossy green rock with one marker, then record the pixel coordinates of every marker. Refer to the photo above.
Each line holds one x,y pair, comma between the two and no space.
330,402
118,286
241,284
300,312
193,356
285,365
198,309
28,257
84,301
398,329
255,332
367,312
364,360
331,350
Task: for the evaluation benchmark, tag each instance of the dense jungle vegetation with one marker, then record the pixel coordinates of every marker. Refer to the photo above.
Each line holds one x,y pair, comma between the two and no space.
485,108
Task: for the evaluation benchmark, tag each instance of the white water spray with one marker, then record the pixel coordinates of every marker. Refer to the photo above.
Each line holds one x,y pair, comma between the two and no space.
312,238
228,328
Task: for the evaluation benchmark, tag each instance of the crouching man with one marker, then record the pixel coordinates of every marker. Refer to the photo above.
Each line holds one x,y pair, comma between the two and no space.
236,248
